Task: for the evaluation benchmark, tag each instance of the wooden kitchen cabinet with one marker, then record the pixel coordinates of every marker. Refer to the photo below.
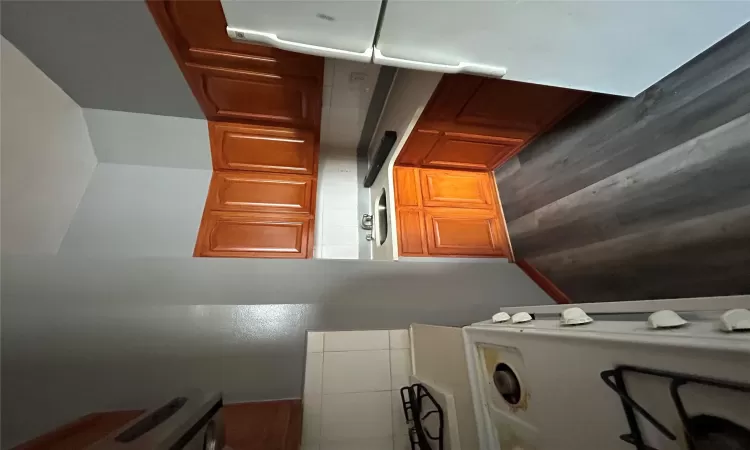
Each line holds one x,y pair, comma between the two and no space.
470,151
452,231
263,105
261,192
196,33
262,149
448,213
428,148
476,123
456,189
467,102
407,186
228,94
412,237
234,234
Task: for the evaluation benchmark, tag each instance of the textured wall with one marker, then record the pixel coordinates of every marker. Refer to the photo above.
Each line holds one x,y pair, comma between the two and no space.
647,197
88,334
104,54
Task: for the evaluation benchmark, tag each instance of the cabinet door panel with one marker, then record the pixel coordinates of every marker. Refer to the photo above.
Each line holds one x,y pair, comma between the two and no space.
262,149
257,192
256,236
520,110
198,30
418,145
411,233
453,188
461,232
462,151
406,182
230,94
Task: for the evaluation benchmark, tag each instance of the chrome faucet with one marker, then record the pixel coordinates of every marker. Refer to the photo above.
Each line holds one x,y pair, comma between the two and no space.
366,222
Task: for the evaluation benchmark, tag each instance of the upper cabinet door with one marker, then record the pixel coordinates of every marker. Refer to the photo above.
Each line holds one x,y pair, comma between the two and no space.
466,103
336,29
234,94
198,31
262,149
615,47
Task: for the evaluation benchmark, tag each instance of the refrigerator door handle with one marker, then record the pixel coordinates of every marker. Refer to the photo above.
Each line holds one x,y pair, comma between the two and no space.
462,67
260,37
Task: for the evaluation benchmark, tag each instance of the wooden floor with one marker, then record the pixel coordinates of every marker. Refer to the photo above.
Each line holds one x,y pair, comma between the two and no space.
275,425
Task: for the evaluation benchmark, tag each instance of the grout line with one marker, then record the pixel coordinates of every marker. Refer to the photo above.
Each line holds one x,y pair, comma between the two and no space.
364,350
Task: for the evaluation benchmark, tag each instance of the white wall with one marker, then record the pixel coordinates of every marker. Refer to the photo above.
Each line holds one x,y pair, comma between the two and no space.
47,157
149,140
131,211
409,94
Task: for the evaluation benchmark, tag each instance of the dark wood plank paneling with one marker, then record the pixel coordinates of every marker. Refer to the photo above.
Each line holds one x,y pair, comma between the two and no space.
702,176
648,197
706,93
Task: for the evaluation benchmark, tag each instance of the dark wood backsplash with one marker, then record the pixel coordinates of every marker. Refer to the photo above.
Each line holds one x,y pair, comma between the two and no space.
643,198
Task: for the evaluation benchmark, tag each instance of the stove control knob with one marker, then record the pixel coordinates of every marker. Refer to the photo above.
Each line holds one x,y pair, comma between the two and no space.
665,318
574,316
735,320
521,317
500,317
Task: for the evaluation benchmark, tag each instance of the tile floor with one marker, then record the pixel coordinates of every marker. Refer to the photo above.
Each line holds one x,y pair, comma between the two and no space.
351,398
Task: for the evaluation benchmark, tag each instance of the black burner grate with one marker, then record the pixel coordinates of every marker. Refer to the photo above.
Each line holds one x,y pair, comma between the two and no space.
419,405
616,381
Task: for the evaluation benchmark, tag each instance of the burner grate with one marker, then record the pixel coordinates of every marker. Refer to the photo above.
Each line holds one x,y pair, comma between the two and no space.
615,380
419,405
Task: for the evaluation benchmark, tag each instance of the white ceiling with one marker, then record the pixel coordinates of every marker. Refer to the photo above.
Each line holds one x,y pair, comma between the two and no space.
347,92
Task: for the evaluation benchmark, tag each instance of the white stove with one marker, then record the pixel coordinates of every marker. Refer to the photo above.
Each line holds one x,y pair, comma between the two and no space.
554,380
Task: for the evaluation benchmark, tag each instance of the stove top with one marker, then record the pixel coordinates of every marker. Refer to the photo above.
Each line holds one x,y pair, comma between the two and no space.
610,384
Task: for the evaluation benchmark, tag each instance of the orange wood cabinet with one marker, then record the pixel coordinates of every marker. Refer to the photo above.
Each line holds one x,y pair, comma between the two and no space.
472,101
234,234
448,213
196,30
456,189
463,232
258,215
260,192
262,149
234,80
263,106
412,237
236,94
475,123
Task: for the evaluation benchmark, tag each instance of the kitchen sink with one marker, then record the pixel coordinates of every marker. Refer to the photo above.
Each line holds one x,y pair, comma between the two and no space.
382,218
